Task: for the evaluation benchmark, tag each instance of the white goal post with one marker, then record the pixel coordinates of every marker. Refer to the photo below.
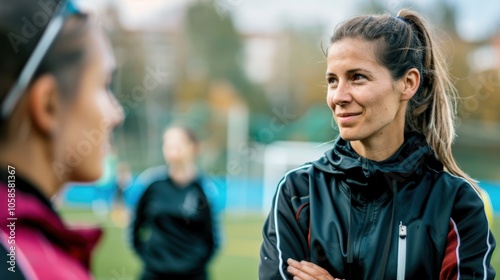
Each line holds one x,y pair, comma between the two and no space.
282,156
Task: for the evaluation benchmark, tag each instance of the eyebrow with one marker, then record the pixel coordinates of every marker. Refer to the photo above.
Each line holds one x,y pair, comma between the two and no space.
350,71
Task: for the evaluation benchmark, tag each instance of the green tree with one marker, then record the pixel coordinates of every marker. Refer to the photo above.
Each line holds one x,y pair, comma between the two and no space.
215,45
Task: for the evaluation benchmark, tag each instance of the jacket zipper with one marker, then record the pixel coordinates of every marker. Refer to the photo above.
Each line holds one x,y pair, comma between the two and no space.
401,252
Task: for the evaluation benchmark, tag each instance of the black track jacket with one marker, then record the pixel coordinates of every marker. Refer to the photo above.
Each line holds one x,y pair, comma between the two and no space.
175,230
401,218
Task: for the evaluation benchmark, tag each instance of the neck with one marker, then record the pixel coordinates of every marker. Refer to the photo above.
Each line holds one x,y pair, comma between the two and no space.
32,161
379,148
182,174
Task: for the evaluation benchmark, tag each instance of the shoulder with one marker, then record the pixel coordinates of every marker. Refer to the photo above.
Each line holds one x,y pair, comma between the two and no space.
154,173
211,188
149,177
209,184
458,191
296,181
300,173
455,184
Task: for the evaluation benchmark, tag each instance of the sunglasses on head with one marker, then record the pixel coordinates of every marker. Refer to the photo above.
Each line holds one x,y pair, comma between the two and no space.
64,9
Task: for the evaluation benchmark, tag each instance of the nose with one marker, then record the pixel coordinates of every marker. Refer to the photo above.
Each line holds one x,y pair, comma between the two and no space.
341,94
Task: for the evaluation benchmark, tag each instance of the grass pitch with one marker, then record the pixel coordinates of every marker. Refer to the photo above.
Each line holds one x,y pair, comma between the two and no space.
238,259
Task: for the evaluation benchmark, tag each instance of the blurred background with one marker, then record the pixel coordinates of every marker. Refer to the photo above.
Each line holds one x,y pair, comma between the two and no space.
248,75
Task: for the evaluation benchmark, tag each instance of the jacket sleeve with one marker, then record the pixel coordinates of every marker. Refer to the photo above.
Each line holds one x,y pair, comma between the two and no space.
285,232
138,221
470,242
142,186
216,203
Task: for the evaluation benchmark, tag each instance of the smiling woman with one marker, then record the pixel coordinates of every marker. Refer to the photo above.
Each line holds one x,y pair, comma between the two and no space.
56,119
368,105
388,200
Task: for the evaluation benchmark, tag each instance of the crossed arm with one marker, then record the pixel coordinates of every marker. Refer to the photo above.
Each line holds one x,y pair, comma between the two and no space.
304,270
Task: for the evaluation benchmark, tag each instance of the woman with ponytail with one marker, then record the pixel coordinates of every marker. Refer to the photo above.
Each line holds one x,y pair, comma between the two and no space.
388,201
56,118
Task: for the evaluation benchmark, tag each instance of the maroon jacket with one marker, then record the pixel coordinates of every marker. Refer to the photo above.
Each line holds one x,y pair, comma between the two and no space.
44,247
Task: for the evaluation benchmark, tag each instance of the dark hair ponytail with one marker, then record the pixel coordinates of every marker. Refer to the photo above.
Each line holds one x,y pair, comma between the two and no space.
439,96
404,42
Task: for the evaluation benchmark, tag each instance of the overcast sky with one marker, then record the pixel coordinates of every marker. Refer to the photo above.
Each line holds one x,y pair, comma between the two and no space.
476,20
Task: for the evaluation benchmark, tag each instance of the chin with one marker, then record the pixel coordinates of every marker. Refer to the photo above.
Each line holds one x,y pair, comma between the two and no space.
349,135
87,178
88,173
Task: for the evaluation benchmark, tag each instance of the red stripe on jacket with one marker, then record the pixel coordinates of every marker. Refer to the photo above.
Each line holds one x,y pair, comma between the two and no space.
449,268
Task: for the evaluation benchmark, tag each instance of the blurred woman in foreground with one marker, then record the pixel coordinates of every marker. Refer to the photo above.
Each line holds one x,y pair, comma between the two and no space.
57,114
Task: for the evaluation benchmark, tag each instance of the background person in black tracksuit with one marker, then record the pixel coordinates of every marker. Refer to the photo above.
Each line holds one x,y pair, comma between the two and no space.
388,200
175,227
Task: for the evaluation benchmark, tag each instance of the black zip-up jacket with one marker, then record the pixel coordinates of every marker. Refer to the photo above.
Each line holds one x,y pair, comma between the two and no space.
175,230
401,218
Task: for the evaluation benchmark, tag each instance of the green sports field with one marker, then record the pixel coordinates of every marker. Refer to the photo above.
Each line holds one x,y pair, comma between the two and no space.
114,259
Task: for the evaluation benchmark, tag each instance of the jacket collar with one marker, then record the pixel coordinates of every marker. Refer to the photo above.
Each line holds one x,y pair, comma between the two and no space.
408,161
34,211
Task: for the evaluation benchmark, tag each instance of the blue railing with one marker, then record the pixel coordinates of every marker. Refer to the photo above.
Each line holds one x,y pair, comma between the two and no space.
235,194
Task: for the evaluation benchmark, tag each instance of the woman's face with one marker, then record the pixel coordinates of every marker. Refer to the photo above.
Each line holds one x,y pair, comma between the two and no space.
85,127
361,93
178,148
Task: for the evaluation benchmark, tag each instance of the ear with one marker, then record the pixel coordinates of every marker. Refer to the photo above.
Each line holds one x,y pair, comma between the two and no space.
43,104
411,82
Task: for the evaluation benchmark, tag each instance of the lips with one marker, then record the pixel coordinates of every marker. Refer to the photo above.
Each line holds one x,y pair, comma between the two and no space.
346,118
345,115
